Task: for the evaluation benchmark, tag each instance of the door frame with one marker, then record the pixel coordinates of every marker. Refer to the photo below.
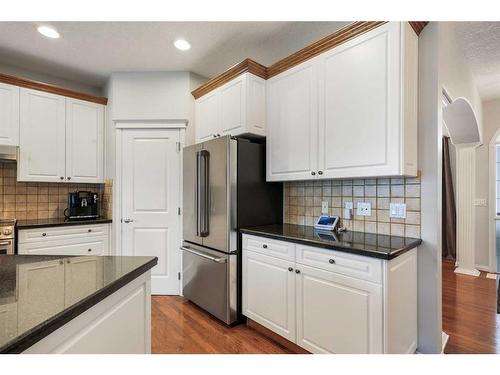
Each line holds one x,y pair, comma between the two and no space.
492,215
120,127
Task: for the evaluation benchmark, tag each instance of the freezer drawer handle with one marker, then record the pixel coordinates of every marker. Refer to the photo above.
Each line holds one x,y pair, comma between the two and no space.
203,255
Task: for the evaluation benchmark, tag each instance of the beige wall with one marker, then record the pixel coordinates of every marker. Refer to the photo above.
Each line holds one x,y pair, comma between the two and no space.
491,123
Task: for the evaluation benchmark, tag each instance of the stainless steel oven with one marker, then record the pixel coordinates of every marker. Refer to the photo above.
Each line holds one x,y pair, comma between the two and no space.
7,237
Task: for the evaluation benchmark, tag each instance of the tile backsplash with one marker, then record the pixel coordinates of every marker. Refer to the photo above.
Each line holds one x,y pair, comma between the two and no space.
36,200
303,201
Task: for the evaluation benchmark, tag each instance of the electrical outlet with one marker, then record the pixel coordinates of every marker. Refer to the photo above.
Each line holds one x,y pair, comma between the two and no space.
480,202
348,210
397,210
324,207
364,209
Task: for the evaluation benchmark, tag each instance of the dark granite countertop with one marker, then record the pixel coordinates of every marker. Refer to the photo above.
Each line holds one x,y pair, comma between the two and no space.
368,244
44,223
33,310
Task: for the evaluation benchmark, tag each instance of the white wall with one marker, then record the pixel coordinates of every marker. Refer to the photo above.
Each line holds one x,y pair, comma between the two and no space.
46,78
491,123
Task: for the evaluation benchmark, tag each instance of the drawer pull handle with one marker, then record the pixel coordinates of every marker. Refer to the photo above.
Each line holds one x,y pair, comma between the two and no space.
90,230
264,246
297,271
89,250
331,261
290,269
44,234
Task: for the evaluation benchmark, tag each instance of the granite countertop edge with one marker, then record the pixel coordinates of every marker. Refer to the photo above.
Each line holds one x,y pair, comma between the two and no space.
37,333
357,250
27,224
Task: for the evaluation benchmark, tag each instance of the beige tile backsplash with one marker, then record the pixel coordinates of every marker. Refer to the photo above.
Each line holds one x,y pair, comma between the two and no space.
303,203
39,200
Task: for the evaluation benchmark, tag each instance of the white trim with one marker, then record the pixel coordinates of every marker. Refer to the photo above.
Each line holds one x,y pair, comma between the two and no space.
482,267
491,276
150,124
492,214
445,339
467,271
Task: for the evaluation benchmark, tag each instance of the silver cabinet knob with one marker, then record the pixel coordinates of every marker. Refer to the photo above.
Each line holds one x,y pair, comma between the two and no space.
320,172
44,234
313,173
69,178
89,250
62,178
297,271
60,262
264,246
331,261
90,230
290,269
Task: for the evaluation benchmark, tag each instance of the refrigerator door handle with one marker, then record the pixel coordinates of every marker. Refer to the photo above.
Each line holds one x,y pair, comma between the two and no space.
203,193
198,192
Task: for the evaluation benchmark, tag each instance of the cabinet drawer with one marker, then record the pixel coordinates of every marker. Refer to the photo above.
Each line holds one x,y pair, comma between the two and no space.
61,233
357,266
267,246
92,246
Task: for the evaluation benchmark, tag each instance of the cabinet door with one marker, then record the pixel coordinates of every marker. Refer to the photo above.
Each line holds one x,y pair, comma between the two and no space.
338,314
84,141
359,110
8,322
42,137
269,293
83,276
40,292
292,124
9,115
233,106
208,116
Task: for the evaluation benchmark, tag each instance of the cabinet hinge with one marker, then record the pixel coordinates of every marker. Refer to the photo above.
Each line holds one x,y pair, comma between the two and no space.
178,210
178,275
178,146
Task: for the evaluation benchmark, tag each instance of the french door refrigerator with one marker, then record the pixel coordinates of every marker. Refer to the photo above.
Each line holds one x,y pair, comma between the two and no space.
224,189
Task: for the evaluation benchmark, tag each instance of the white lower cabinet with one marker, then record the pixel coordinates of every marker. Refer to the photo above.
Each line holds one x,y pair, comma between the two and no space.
61,240
328,301
270,292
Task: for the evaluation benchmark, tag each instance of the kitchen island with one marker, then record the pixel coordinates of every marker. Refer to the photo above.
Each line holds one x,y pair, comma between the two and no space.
75,304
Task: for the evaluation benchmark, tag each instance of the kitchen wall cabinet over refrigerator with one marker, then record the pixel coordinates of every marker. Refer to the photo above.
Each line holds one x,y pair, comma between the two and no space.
9,115
235,108
349,112
61,139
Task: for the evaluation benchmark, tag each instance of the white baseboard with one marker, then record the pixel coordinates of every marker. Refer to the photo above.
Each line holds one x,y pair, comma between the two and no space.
491,276
444,341
482,267
466,271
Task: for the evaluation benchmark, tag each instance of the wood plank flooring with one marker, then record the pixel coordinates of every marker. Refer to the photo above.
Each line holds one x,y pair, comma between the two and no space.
179,327
469,317
470,312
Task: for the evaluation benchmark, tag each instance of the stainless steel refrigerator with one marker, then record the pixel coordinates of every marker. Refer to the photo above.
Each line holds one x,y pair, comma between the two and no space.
224,189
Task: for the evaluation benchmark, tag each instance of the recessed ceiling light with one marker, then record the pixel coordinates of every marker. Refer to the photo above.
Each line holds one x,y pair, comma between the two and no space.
182,44
49,32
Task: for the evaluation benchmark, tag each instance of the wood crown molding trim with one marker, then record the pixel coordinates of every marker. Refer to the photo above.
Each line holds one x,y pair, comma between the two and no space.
35,85
418,26
330,41
246,65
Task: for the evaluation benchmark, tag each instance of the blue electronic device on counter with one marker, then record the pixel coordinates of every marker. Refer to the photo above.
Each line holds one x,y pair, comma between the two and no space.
326,222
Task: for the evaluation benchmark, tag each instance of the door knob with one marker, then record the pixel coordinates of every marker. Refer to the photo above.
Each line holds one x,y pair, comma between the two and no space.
127,220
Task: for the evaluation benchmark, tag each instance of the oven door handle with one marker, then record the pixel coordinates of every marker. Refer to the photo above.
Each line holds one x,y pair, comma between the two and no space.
203,255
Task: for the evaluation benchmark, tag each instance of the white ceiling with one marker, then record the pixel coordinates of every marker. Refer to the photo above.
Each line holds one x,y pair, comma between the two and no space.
89,52
481,45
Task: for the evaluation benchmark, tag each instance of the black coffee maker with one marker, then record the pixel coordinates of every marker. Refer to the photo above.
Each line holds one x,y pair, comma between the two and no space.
83,205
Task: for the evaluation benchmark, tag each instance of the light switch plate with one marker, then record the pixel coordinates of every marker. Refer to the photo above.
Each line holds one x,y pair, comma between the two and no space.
397,210
480,202
324,207
364,209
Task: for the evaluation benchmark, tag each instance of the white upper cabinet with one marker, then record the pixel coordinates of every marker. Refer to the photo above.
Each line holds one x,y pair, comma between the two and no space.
235,108
42,137
61,139
84,141
292,112
9,115
365,121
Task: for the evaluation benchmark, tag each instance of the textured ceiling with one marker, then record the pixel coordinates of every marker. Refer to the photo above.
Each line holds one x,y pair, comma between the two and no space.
481,46
89,52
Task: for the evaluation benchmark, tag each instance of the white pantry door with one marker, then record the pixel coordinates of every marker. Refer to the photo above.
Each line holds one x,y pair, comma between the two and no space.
150,202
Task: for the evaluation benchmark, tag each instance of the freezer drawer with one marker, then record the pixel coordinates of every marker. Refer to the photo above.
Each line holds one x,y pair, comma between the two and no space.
210,280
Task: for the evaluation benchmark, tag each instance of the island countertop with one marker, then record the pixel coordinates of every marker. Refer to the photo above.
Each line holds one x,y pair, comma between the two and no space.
367,244
34,304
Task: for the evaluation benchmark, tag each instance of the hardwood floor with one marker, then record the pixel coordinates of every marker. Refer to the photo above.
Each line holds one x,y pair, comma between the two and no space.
469,317
470,313
179,327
